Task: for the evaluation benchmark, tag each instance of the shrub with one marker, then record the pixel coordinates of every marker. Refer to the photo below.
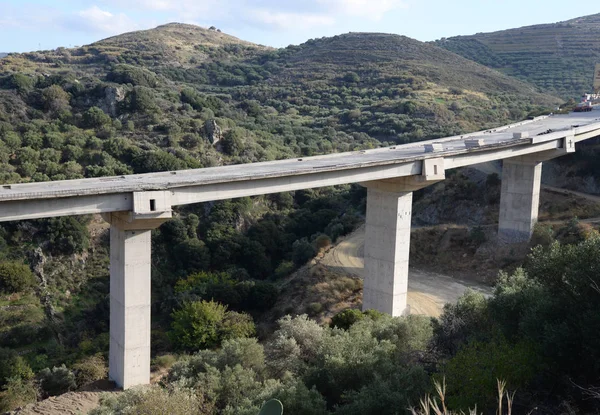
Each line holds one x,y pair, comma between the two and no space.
90,369
477,236
165,361
13,366
262,296
314,308
322,242
57,381
66,235
345,319
192,255
472,374
17,392
95,118
303,252
15,277
205,324
128,74
154,400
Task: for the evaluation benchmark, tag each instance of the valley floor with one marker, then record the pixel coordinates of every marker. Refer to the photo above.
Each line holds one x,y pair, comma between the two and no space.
427,291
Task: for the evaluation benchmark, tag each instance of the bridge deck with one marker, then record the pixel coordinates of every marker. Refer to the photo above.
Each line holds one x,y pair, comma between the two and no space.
493,139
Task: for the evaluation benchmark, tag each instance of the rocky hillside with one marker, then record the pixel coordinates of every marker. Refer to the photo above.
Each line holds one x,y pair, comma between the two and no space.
558,58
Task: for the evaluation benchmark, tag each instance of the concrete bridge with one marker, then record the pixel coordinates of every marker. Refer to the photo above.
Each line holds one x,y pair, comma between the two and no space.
136,204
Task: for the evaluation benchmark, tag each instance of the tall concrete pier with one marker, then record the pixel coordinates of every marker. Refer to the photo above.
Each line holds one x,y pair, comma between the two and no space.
130,298
387,237
519,199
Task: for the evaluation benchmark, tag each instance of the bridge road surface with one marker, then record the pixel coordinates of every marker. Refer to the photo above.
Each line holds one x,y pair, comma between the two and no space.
136,204
216,183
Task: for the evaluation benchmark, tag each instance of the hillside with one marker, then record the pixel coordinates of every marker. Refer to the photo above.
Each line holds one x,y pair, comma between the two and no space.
179,97
558,58
176,44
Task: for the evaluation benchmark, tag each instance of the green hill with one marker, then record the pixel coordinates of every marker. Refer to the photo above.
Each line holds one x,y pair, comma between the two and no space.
149,101
558,58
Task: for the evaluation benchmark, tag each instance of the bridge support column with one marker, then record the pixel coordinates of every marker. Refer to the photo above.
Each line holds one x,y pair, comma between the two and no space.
519,199
387,240
520,194
130,269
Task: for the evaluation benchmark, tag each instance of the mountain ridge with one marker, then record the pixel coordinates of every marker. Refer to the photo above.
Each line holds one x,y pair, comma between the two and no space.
558,58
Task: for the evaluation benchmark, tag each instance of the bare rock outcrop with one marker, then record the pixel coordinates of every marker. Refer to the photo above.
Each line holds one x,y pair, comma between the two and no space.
213,131
112,96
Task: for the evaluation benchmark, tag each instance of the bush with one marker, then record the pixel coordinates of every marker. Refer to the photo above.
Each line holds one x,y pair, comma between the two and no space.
192,255
95,118
57,381
17,392
205,324
15,277
322,242
472,374
303,252
13,366
154,400
262,296
90,369
165,361
345,319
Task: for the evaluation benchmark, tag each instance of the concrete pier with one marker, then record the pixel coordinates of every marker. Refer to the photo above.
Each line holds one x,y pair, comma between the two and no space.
387,247
130,267
519,200
387,238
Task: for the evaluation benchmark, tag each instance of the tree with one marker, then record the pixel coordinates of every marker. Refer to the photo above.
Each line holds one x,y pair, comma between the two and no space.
55,99
345,319
13,366
66,235
15,277
95,118
351,77
303,251
233,141
205,324
192,255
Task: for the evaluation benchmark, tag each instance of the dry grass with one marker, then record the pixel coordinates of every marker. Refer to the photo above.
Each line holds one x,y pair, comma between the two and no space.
437,405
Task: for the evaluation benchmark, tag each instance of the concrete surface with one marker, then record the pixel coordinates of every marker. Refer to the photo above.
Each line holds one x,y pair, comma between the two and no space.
35,200
519,200
130,300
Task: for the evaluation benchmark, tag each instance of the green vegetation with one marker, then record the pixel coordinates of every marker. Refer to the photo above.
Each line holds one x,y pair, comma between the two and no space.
145,102
558,58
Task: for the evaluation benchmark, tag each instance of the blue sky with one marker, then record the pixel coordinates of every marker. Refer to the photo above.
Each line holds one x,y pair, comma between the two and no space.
27,25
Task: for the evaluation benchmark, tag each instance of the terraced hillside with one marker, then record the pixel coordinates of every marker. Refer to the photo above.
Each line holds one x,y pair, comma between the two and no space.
381,57
559,58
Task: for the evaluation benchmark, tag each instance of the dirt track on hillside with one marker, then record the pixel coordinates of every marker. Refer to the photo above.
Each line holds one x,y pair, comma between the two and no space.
427,291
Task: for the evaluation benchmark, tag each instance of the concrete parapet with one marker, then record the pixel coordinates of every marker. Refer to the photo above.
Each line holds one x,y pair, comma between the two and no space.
474,143
434,147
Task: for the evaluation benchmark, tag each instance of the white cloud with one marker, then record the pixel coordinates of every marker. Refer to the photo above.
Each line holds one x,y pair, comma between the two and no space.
287,20
369,9
97,20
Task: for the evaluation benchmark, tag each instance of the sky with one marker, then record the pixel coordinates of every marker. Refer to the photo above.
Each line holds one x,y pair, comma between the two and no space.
28,25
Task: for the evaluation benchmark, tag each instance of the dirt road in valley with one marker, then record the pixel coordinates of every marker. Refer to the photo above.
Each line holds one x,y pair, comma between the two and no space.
427,291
